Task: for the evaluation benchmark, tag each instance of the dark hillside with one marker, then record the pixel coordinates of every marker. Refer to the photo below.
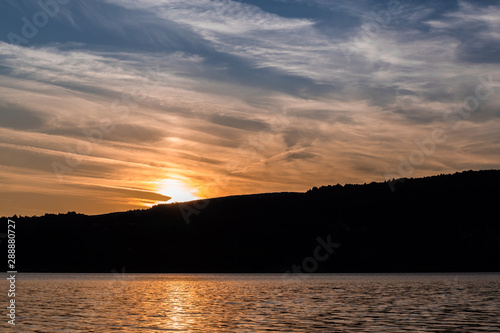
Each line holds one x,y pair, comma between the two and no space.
440,223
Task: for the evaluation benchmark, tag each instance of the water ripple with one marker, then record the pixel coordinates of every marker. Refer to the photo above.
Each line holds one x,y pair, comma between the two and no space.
257,303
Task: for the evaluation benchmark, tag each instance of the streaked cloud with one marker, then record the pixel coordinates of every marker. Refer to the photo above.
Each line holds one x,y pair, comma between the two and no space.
233,97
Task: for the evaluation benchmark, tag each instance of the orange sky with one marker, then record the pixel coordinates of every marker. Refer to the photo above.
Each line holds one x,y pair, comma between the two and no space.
240,107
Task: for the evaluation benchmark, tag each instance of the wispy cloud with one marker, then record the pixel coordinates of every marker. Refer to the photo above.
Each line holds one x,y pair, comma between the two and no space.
238,98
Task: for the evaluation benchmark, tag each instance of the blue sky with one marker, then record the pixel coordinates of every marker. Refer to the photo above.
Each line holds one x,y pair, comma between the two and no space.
105,104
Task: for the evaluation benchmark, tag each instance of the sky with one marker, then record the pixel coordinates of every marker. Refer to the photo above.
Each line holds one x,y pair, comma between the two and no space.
111,105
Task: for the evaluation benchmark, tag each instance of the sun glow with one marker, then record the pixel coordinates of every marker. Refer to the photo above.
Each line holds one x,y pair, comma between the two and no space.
178,191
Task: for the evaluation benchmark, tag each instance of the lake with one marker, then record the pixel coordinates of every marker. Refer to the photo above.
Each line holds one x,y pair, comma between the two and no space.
120,302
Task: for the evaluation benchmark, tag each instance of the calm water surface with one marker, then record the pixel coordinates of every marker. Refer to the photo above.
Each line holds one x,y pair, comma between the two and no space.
256,303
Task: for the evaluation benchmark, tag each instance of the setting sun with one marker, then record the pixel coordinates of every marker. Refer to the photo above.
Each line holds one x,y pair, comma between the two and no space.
177,190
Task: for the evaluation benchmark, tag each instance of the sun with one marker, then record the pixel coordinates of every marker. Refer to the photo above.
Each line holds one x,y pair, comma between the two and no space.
177,190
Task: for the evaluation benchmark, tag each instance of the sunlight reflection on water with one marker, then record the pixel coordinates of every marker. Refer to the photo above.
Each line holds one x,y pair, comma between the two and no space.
257,303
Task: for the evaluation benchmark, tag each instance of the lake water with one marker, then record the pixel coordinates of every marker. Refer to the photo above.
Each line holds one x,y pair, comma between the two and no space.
255,303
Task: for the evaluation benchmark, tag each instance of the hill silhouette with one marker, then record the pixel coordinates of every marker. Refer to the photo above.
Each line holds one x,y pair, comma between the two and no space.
439,223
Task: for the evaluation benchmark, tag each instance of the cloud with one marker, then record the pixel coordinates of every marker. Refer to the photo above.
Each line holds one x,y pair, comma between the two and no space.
17,117
323,115
234,122
301,155
246,31
128,133
235,97
221,16
476,27
121,192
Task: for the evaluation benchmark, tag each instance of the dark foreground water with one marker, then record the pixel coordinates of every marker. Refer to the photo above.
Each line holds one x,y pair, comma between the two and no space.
255,303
